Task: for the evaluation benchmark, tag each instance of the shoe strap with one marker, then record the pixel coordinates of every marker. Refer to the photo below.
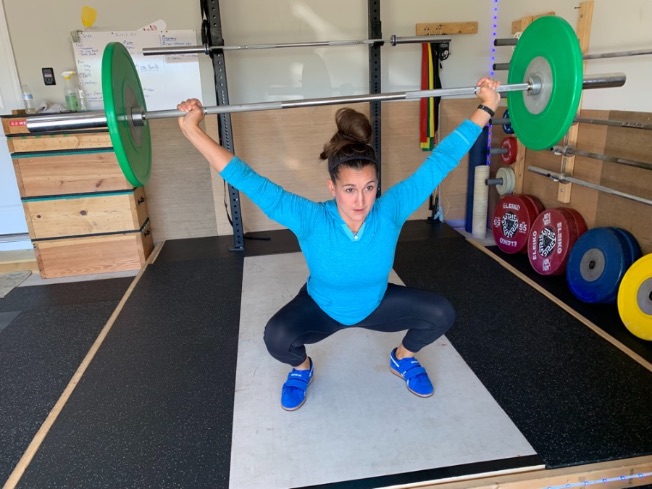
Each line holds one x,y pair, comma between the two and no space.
413,372
296,382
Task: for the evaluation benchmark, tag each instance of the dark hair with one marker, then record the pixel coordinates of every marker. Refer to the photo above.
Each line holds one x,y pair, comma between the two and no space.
349,146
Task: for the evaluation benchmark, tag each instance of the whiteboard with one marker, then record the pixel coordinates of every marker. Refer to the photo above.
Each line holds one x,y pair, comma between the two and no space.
166,80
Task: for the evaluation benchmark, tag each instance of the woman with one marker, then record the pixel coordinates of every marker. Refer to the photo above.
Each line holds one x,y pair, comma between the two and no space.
349,244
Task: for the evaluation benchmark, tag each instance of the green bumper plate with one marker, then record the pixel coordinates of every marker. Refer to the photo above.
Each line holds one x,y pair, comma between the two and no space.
548,39
123,93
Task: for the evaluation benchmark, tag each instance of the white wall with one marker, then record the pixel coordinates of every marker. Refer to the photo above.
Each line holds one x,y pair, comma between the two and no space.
40,36
40,29
617,25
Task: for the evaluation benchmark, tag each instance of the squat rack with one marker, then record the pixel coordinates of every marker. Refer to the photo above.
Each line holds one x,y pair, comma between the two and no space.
213,45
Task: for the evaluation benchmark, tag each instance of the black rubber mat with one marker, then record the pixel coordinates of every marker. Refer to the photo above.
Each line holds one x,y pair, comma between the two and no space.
63,294
605,316
155,407
51,329
575,397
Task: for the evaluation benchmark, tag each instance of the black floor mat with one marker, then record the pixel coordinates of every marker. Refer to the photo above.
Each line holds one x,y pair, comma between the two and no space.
51,329
155,406
576,398
605,316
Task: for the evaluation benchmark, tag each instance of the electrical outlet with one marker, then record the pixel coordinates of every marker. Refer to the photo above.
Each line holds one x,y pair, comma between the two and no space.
48,76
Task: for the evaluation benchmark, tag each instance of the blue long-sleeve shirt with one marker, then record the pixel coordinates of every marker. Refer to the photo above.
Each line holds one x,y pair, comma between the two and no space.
349,273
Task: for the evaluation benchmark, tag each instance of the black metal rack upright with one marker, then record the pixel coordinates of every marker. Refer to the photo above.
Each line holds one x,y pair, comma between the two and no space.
212,35
375,32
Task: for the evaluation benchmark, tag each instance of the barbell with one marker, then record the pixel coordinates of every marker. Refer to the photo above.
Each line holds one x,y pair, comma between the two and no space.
546,69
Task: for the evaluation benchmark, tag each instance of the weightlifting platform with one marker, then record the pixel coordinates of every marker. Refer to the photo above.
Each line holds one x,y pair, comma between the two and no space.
176,389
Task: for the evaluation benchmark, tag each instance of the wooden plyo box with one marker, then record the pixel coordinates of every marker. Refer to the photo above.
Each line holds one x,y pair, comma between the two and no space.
93,254
68,172
14,125
83,216
79,215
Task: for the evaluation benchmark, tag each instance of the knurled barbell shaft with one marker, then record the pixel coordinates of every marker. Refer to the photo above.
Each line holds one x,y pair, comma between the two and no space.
393,41
348,99
97,119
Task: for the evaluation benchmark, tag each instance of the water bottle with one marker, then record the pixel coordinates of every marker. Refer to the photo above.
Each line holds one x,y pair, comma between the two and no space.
28,100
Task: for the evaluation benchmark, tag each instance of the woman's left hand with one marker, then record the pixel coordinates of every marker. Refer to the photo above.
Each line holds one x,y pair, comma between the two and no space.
487,93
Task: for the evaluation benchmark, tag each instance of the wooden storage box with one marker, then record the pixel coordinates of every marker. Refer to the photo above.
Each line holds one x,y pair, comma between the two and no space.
83,216
14,125
58,142
68,172
93,254
75,215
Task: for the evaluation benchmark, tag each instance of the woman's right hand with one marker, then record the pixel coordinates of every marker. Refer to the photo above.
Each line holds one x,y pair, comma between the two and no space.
194,114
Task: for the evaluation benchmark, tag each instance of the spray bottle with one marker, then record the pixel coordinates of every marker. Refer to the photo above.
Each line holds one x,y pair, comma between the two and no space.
71,90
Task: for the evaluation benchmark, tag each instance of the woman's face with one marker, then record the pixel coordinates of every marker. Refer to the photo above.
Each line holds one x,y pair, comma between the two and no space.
355,193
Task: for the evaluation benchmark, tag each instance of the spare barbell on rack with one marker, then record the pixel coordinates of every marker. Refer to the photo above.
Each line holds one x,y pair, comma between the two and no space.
547,70
570,151
504,121
206,49
612,54
562,178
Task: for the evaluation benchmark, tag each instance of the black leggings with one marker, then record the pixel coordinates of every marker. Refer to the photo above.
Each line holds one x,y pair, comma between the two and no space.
425,315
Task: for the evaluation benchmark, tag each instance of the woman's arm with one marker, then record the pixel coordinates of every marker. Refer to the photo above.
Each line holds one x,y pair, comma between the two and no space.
488,97
286,208
216,155
406,196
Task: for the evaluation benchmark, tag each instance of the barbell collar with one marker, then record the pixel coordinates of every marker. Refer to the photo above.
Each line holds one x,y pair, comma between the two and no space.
562,178
95,119
606,80
205,49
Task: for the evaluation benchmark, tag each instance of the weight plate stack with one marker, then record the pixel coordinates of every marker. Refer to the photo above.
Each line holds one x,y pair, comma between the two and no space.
511,146
635,298
596,265
512,220
123,93
551,238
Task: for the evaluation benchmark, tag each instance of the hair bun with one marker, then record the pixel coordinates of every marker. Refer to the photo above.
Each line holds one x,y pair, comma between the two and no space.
353,126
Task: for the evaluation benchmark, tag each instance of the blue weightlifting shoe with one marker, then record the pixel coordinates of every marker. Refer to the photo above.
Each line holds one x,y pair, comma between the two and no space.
415,376
293,394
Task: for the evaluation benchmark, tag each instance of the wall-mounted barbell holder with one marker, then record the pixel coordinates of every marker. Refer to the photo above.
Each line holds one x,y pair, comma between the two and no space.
561,178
